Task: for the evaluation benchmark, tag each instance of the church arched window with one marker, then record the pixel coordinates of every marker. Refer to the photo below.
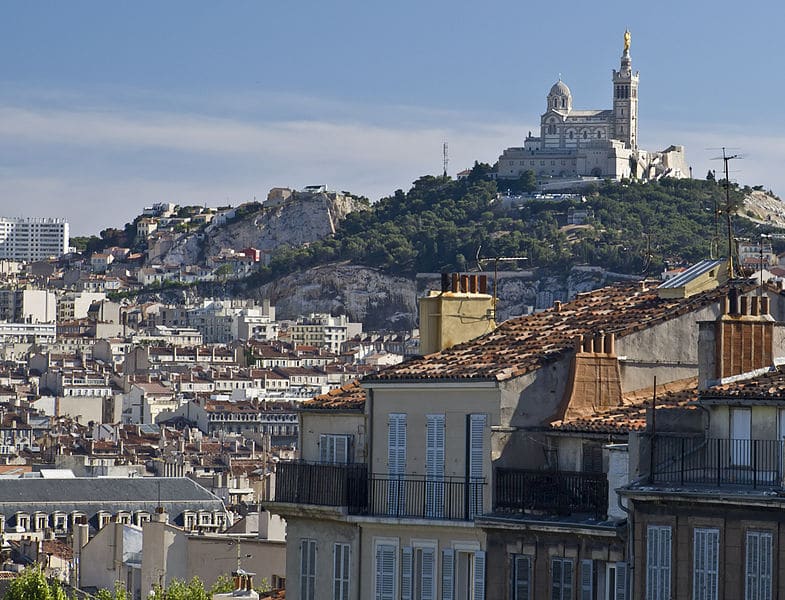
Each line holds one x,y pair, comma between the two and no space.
599,134
585,135
564,103
572,135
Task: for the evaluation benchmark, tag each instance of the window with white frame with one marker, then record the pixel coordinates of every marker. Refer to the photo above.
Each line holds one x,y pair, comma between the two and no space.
521,577
463,574
335,448
561,578
758,559
706,563
385,571
616,581
658,562
307,569
418,573
341,572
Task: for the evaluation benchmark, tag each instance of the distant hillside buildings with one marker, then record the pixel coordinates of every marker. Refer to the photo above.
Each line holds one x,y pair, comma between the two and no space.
597,142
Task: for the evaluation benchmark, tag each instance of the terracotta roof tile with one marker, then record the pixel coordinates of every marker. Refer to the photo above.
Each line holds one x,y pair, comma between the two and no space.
349,396
523,344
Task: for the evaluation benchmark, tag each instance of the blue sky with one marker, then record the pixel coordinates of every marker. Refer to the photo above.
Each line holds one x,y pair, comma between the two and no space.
109,106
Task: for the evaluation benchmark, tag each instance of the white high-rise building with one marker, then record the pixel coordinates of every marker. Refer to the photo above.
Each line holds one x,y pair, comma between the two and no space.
32,238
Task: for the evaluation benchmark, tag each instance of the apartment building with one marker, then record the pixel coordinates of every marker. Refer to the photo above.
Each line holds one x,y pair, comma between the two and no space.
29,239
476,471
323,331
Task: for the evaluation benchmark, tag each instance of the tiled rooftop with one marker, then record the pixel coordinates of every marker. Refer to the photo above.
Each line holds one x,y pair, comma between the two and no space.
631,416
523,344
769,386
349,396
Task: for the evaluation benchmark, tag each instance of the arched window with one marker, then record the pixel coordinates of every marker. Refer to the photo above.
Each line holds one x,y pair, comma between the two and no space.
572,135
585,135
564,103
599,134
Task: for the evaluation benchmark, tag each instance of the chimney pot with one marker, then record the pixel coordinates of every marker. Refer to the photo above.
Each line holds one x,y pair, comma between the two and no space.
764,305
445,282
557,305
454,282
755,308
483,284
745,306
733,301
587,343
473,284
464,283
598,343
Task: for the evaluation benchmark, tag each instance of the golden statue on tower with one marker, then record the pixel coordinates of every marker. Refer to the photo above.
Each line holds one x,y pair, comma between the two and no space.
626,40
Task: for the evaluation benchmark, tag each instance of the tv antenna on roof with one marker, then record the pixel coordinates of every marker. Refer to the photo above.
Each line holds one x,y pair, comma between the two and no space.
726,158
445,159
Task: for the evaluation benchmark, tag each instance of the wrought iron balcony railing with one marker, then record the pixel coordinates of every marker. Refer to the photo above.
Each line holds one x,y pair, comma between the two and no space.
717,461
554,492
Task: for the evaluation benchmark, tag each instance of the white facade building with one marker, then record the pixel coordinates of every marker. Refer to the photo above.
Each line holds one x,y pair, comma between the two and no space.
31,238
597,142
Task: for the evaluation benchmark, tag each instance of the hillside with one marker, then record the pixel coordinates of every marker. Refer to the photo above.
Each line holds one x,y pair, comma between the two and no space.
441,224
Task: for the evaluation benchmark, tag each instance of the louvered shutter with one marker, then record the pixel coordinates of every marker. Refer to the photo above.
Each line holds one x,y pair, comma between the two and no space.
476,462
522,577
556,579
396,463
385,572
752,567
341,572
325,448
406,574
448,574
341,451
665,563
567,580
621,581
434,466
587,579
765,565
479,575
705,564
428,591
307,569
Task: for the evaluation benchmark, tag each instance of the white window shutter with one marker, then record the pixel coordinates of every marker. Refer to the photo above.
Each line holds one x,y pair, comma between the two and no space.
385,572
476,462
448,574
521,578
587,579
428,591
479,575
556,578
434,466
567,579
324,449
341,452
406,574
621,581
765,562
396,463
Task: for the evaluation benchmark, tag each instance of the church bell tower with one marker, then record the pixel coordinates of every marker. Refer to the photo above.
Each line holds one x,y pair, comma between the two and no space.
625,99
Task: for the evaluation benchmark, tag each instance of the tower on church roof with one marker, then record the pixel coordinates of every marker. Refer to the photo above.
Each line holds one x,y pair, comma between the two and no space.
560,97
625,98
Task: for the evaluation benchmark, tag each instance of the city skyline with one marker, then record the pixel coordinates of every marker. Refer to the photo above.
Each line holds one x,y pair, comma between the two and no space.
188,103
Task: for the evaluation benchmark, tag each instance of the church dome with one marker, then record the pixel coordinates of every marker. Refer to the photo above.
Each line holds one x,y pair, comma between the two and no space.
560,89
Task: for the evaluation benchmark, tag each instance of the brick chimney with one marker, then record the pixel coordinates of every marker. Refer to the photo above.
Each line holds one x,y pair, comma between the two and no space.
740,340
595,377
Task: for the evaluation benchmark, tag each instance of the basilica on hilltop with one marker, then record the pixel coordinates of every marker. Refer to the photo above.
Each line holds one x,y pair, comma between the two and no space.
600,143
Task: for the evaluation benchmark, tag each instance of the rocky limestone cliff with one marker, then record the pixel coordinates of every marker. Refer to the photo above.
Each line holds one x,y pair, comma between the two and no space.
366,295
299,220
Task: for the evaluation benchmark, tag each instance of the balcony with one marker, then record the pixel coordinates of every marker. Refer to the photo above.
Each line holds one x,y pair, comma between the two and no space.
717,462
393,496
553,492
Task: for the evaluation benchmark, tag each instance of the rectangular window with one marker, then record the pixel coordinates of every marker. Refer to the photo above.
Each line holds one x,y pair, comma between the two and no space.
561,579
341,572
521,577
758,561
385,572
307,569
396,463
463,575
434,466
418,568
335,448
475,468
658,562
706,556
616,581
587,579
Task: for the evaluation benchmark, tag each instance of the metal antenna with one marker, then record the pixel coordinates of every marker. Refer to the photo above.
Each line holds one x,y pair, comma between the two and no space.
445,159
496,260
726,158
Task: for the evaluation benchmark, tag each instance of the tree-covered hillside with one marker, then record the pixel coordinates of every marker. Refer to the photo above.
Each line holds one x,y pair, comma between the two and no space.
440,224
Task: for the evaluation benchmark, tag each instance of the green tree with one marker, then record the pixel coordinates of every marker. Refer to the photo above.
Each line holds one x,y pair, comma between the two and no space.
32,585
181,590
